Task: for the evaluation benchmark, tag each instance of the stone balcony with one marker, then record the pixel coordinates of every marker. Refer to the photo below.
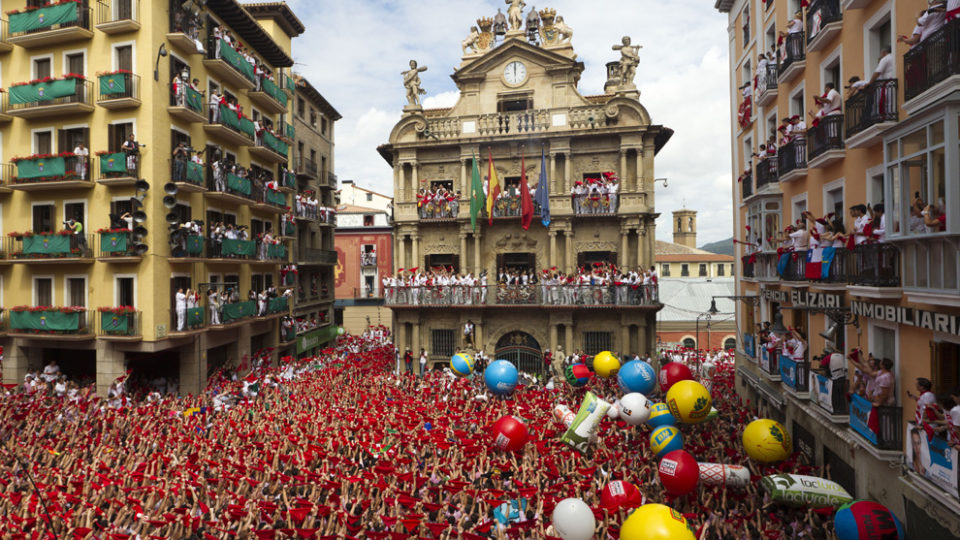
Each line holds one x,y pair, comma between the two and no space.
518,122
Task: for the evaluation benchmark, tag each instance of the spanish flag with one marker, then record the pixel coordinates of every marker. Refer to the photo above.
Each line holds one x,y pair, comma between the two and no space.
493,189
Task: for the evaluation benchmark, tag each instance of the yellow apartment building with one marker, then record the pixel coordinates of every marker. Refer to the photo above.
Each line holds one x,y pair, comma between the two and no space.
80,79
891,140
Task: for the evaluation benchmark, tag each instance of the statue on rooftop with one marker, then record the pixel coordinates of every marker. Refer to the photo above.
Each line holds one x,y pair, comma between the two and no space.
471,41
411,81
515,13
629,60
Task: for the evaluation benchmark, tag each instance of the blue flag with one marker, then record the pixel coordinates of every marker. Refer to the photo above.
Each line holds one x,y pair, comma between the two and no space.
543,193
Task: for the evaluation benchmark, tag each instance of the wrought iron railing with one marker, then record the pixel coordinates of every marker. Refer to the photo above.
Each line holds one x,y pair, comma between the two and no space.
513,295
767,78
30,246
306,166
820,14
126,10
83,20
766,171
119,86
83,94
932,61
875,104
825,136
791,156
794,50
121,324
746,185
876,265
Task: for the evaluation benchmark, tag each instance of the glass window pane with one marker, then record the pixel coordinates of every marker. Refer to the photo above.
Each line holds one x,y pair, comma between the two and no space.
949,266
892,194
936,265
938,187
892,151
921,266
915,142
936,133
909,270
913,174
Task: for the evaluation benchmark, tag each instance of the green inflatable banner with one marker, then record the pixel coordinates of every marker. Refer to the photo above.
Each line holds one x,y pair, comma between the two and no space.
277,305
57,244
275,197
113,242
195,316
239,247
233,58
276,251
51,321
194,100
114,83
44,17
239,310
113,163
800,490
41,167
113,323
194,173
240,185
194,245
43,91
584,426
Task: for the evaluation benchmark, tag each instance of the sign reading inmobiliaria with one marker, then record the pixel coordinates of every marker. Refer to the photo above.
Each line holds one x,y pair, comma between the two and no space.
920,318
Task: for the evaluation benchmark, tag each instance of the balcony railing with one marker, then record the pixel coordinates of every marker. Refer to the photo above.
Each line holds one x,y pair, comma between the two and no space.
585,205
116,87
187,97
117,16
50,171
240,129
873,265
820,14
825,136
932,61
242,73
184,245
117,244
516,295
750,345
118,325
192,319
306,167
50,247
276,305
317,256
767,78
769,362
331,180
28,99
368,292
882,426
747,265
876,265
766,172
228,248
368,259
794,50
746,185
791,157
875,104
114,165
795,375
238,186
55,17
51,321
182,170
830,394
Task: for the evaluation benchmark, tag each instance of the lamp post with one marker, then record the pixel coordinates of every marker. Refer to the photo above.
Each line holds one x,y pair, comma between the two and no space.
156,68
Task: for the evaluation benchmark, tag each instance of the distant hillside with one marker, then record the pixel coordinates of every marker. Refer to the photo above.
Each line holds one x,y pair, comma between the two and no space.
723,247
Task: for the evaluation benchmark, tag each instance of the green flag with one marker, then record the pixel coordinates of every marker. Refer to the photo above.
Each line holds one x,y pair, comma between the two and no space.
113,83
476,194
44,17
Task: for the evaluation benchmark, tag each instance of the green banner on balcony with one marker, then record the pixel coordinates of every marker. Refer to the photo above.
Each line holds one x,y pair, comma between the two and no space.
44,17
41,168
114,83
276,251
275,144
195,316
229,117
246,126
194,245
55,244
239,310
291,229
291,132
113,163
113,323
43,91
277,305
271,88
240,185
194,173
233,58
113,242
291,84
315,338
194,100
51,321
275,197
239,247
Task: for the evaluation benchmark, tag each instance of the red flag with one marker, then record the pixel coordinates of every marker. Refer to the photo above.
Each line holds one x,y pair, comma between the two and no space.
526,204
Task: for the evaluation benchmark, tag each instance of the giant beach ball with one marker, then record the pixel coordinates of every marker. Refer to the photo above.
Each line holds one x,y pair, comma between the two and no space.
656,522
637,376
679,472
461,364
660,416
634,409
664,440
605,364
509,433
767,441
577,375
620,494
689,402
867,520
573,520
672,373
501,377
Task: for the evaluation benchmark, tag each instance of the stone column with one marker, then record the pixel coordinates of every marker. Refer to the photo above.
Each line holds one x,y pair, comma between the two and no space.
415,345
415,250
464,174
569,338
624,261
567,170
398,181
625,345
243,343
193,366
553,248
641,262
571,260
477,263
623,168
478,331
463,251
648,240
553,338
553,174
415,177
638,178
401,251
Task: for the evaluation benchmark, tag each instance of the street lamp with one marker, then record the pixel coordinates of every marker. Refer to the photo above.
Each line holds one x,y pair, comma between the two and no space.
706,317
156,68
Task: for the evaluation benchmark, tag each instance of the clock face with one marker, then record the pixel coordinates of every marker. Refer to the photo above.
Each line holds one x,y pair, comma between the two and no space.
515,73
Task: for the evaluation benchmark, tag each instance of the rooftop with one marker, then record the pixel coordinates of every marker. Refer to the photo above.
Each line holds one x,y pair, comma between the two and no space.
670,252
354,209
316,97
279,12
250,31
685,298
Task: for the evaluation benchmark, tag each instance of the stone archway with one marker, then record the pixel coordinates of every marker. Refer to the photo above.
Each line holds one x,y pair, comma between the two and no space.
521,349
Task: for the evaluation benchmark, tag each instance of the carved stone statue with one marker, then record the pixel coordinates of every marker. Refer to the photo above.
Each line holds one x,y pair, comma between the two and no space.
564,31
411,81
629,60
500,23
471,41
515,13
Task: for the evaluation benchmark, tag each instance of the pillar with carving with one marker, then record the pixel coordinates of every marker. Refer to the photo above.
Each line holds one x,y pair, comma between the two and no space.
553,174
415,250
570,261
463,251
553,248
477,262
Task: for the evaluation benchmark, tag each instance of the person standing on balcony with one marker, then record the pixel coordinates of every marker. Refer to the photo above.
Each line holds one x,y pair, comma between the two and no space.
132,149
423,362
933,18
80,167
468,334
181,308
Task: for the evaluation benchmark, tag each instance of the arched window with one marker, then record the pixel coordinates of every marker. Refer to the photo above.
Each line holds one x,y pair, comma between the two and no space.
729,343
690,343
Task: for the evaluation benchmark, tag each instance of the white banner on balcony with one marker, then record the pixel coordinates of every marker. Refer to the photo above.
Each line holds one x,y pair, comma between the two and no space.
823,387
933,459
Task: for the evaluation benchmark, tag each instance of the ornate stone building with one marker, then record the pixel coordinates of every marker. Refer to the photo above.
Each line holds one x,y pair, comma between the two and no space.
518,97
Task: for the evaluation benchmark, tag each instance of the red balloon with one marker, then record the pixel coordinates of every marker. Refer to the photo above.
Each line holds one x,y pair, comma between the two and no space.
621,494
673,373
509,433
679,472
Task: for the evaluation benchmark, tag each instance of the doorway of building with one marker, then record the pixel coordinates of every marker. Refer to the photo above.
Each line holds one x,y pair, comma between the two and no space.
522,350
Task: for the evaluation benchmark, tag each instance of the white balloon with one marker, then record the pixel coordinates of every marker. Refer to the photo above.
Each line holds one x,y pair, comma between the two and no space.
573,520
634,408
614,410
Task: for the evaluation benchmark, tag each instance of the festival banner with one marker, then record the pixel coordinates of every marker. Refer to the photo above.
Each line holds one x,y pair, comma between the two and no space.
273,90
276,251
195,316
238,310
113,242
765,359
788,371
113,83
113,163
194,173
54,244
42,91
45,17
277,305
232,57
860,417
823,387
274,143
113,323
239,247
229,117
275,197
750,345
194,245
933,459
52,321
194,100
41,168
240,185
315,338
246,126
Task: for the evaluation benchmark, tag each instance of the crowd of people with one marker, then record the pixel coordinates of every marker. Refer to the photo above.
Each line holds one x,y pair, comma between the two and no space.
306,206
595,195
438,202
291,451
219,231
216,298
600,284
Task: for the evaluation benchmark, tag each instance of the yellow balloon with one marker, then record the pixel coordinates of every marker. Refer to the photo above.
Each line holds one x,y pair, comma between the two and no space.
656,522
606,365
689,401
767,441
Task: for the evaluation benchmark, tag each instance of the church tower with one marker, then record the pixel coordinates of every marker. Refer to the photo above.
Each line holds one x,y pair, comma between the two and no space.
685,228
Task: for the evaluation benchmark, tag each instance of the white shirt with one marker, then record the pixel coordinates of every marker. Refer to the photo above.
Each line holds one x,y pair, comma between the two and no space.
834,103
880,233
81,151
886,68
794,26
181,301
955,411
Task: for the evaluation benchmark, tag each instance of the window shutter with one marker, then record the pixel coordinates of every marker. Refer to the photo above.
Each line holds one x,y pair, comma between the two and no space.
63,142
112,137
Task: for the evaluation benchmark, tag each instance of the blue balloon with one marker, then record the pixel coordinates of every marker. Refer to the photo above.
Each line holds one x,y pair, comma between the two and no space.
637,376
660,416
501,377
664,440
867,520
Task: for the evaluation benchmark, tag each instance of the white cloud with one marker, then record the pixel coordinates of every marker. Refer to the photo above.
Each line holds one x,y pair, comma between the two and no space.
353,52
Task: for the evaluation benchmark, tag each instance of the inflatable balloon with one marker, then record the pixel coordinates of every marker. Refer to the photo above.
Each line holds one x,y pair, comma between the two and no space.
679,472
660,416
573,520
718,474
767,441
634,409
620,494
867,520
584,426
637,376
461,364
563,414
799,490
656,522
501,377
689,402
605,364
577,375
664,440
672,373
614,411
509,433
